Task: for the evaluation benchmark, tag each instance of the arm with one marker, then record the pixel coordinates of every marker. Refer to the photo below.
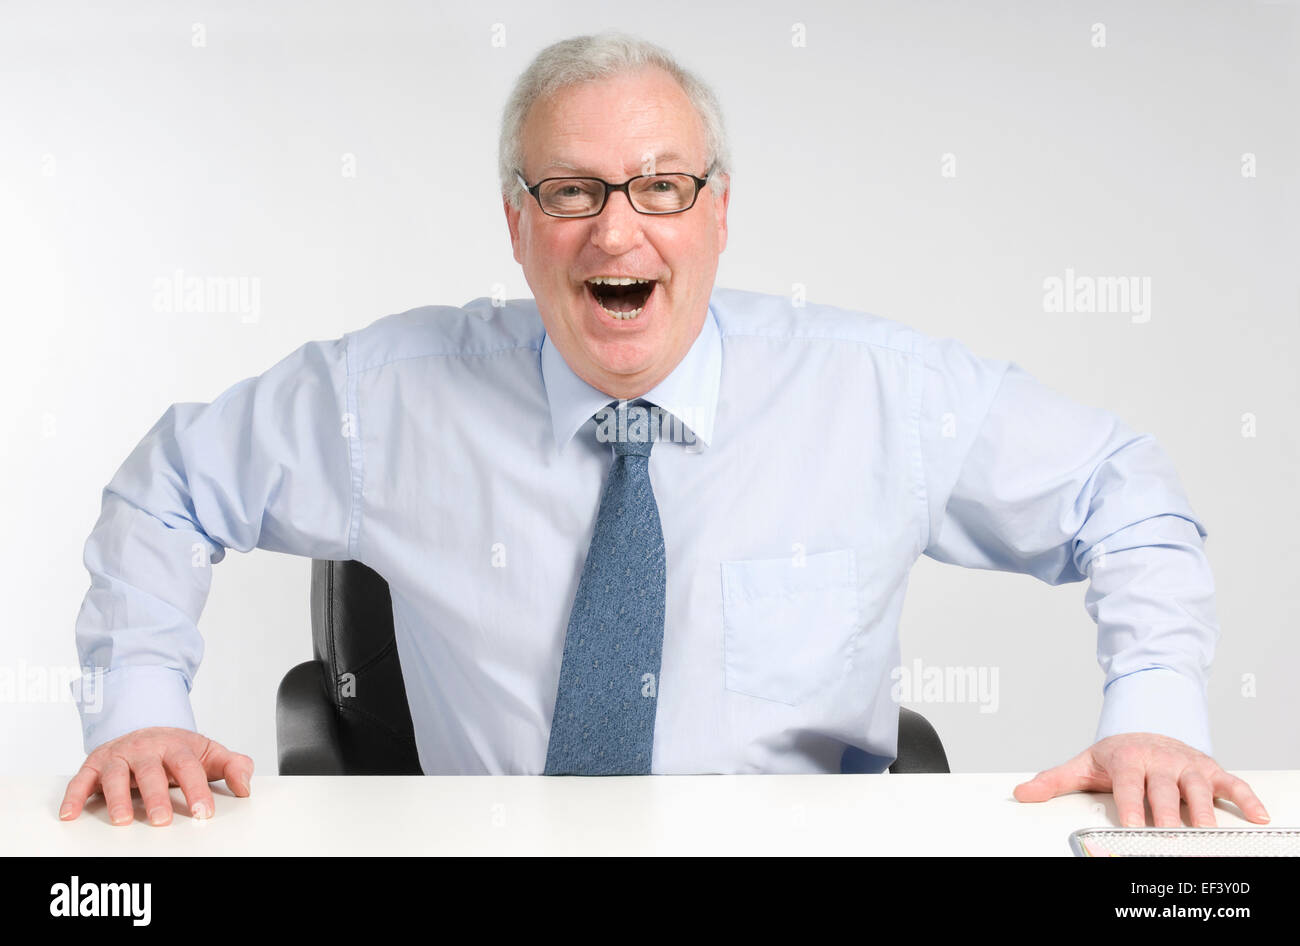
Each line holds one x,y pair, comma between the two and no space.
1019,478
271,463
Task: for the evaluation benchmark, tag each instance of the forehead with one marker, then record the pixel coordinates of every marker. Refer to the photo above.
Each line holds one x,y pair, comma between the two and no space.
613,126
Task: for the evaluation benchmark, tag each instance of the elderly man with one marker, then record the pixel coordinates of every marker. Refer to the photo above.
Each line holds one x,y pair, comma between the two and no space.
643,525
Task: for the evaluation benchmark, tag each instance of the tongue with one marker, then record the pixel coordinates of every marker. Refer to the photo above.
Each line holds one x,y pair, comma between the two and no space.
622,298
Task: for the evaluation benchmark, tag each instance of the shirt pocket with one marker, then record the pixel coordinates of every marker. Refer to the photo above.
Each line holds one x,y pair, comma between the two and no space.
789,624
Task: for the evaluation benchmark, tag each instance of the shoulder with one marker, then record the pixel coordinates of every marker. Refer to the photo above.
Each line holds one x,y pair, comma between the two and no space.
477,329
741,313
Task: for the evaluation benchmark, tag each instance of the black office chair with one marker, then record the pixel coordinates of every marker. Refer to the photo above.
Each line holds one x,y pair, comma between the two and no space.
345,712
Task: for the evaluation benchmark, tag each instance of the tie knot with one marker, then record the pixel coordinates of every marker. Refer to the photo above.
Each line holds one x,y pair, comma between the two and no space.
631,427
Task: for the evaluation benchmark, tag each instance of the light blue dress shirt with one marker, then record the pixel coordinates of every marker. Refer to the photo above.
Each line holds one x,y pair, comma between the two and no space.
818,453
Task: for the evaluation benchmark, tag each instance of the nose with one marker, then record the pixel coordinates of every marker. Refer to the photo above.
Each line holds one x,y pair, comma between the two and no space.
618,228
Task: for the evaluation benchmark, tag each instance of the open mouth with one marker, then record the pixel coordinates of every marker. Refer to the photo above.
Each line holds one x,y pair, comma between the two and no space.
622,297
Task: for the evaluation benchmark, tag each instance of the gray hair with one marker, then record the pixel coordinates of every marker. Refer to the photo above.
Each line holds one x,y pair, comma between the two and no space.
583,59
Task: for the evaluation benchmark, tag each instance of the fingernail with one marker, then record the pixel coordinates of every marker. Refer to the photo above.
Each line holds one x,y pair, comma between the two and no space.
65,811
158,816
1132,822
200,810
121,815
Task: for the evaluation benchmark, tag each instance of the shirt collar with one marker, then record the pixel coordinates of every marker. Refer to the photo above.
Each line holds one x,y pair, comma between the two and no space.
689,393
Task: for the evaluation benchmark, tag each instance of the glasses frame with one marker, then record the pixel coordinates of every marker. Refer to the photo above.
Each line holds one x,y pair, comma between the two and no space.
535,190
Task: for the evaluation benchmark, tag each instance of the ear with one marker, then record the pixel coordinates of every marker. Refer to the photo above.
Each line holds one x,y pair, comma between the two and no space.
512,222
720,205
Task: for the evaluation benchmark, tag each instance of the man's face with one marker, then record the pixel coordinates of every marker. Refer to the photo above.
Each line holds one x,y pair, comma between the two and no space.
617,129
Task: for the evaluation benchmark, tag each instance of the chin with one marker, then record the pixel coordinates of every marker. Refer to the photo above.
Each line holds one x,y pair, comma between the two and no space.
625,358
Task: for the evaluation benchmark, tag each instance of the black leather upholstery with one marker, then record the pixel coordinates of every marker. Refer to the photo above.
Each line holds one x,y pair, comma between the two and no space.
345,712
919,748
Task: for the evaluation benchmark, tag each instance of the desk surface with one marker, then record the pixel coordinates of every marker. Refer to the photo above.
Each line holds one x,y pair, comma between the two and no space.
663,814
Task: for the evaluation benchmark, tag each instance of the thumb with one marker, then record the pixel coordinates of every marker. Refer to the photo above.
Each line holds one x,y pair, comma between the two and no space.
221,763
1067,777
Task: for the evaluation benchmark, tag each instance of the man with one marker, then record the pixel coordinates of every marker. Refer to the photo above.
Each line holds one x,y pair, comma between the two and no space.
705,579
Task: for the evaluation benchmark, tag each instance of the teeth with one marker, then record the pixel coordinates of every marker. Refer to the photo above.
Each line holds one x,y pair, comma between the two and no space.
620,281
625,315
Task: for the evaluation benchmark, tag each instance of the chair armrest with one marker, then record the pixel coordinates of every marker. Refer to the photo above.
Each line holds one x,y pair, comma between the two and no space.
306,725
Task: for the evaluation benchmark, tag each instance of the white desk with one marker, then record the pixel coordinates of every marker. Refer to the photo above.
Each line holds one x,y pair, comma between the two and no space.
702,814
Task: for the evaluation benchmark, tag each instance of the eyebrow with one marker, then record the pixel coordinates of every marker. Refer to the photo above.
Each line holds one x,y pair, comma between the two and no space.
662,158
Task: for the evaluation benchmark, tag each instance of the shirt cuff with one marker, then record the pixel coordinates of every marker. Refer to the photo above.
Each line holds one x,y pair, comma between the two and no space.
1157,700
115,702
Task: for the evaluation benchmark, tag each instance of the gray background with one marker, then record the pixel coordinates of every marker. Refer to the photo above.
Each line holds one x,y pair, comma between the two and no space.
128,153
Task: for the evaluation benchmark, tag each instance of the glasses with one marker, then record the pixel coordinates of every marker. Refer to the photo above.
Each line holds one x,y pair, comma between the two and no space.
655,194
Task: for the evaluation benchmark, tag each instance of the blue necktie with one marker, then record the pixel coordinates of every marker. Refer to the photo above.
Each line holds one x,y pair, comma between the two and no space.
604,721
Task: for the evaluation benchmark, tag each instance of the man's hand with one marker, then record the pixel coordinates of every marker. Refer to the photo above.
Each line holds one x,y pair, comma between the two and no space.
154,759
1132,765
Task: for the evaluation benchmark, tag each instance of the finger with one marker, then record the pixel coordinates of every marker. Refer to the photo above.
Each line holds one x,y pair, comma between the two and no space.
116,783
80,788
1045,785
220,763
1162,789
189,775
239,774
152,781
1200,799
1128,785
1077,775
1240,794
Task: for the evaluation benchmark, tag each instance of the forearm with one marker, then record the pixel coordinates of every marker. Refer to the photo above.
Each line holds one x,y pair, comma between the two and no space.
1151,593
136,633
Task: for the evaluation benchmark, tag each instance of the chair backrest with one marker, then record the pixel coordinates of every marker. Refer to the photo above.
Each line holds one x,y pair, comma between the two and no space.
352,635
